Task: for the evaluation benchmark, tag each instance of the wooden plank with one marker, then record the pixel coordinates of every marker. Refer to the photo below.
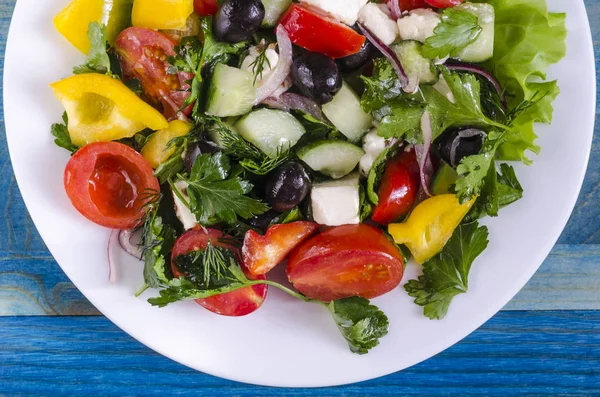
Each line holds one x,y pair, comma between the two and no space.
515,353
33,284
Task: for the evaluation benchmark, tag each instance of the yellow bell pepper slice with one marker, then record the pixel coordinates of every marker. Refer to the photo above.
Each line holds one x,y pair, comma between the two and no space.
74,20
156,149
162,14
103,109
430,225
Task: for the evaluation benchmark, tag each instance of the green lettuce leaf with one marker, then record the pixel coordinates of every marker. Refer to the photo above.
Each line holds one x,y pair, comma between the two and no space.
528,39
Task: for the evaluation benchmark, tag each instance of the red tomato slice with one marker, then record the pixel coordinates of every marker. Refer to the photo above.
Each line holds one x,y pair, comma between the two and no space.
143,54
398,189
408,5
205,7
443,3
350,260
108,183
316,32
236,303
263,253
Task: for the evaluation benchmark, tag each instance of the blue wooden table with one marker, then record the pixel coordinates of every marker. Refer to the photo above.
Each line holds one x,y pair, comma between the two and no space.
53,342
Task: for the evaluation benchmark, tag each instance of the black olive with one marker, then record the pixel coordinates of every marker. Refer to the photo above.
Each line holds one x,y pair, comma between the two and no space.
317,76
238,20
263,221
356,61
287,186
197,149
463,143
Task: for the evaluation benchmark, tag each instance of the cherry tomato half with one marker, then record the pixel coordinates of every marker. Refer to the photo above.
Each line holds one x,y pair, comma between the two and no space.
398,189
143,54
443,3
205,7
316,32
108,183
263,253
344,261
408,5
235,303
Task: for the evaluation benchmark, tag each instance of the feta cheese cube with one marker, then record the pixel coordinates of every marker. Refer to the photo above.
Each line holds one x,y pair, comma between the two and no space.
181,210
378,22
418,24
336,203
345,11
373,145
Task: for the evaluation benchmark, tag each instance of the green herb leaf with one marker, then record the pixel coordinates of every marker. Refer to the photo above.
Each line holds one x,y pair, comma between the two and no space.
447,274
361,323
97,60
61,133
381,88
457,30
376,172
157,242
215,195
466,111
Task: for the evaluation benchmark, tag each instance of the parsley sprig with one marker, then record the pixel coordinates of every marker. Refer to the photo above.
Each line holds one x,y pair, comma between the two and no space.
447,274
97,60
217,196
457,30
61,134
216,270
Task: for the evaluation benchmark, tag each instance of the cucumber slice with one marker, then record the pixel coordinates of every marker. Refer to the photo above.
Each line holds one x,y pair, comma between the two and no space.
274,9
443,179
483,48
332,158
415,65
231,92
272,131
346,114
215,136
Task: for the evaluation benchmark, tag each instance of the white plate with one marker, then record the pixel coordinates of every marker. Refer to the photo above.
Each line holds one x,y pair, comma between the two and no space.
287,342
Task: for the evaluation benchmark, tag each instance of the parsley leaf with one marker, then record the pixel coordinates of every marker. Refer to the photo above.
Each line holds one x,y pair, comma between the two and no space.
361,324
457,30
466,111
214,195
61,133
447,274
376,172
157,241
381,88
97,60
474,169
216,270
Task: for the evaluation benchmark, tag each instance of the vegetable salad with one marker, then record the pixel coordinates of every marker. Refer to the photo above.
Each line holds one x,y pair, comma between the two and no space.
335,138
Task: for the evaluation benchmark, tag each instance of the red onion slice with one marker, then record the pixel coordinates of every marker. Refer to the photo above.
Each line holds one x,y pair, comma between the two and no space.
282,70
132,249
394,6
388,53
478,70
291,101
113,241
422,152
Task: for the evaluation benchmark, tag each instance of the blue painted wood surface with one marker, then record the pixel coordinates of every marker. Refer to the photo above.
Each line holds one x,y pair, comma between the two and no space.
53,342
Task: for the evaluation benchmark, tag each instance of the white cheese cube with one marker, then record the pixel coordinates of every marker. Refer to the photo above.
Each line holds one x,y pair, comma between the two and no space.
418,24
249,64
336,203
378,22
181,210
373,145
343,10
